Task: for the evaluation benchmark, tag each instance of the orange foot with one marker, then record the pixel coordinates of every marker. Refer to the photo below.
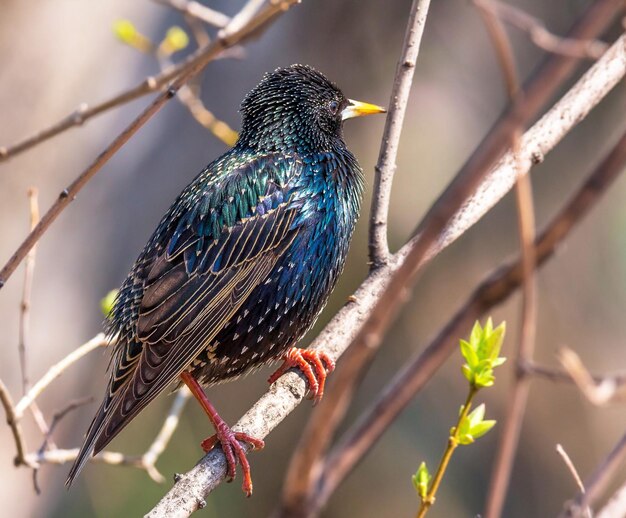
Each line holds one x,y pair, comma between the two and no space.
315,365
231,445
228,439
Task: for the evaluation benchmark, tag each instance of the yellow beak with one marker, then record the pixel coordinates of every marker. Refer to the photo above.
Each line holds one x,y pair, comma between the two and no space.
357,109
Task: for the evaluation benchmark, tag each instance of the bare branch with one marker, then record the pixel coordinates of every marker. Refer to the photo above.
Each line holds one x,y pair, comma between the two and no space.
540,36
29,268
360,438
56,370
160,442
572,469
509,438
16,429
197,10
599,392
398,102
597,482
287,392
615,381
226,38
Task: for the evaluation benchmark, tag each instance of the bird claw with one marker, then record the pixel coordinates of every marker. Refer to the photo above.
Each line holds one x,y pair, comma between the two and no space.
233,450
315,365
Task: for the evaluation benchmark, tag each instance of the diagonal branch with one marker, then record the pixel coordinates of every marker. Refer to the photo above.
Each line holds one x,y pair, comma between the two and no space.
496,287
226,38
597,482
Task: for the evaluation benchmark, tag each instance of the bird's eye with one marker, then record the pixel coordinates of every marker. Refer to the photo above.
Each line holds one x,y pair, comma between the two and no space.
333,106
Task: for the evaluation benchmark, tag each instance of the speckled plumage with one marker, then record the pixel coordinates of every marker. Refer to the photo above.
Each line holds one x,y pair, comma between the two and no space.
243,262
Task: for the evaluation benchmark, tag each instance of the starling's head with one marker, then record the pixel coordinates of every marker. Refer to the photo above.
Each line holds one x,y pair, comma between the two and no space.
297,108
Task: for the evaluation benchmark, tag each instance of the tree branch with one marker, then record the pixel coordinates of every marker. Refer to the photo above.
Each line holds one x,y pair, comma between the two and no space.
398,102
198,11
597,482
509,436
494,289
226,38
540,36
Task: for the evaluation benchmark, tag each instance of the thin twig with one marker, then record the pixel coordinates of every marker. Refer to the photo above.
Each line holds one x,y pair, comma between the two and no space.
16,429
226,38
84,112
190,99
56,370
29,268
288,392
198,11
574,472
24,321
58,416
496,287
614,381
509,436
145,462
398,102
597,482
599,392
540,36
160,442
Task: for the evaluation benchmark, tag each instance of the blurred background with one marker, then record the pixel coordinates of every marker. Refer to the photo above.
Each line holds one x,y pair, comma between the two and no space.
55,55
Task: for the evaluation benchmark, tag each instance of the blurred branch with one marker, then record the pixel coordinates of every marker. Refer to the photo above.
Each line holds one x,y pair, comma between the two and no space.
597,482
190,99
29,268
398,102
493,290
24,321
539,35
542,85
616,505
259,19
598,391
516,406
613,382
387,287
56,370
574,472
198,11
34,460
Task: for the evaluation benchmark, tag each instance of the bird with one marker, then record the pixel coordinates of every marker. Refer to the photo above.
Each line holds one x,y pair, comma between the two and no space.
242,263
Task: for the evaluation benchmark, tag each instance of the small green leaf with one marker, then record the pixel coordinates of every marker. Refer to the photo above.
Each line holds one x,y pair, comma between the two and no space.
421,480
482,428
468,353
107,303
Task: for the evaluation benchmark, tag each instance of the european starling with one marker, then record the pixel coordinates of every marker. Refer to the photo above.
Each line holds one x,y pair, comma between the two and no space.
242,263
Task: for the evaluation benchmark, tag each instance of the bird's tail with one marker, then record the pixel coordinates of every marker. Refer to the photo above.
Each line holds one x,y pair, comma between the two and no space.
93,433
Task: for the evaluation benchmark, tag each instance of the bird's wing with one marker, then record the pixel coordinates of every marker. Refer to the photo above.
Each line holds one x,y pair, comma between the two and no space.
221,249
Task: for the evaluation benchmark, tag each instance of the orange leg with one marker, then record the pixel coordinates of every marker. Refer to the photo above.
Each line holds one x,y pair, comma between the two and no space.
315,365
225,436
